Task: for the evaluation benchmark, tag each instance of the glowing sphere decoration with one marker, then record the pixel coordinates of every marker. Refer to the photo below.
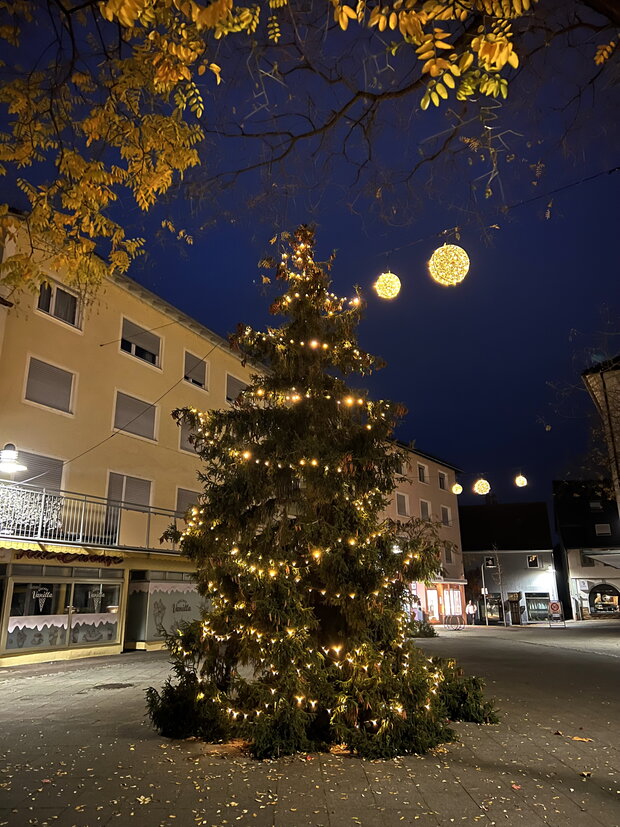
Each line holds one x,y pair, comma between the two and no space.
457,488
387,286
481,487
449,265
520,481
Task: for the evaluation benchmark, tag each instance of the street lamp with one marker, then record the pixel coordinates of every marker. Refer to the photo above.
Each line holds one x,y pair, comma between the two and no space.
9,463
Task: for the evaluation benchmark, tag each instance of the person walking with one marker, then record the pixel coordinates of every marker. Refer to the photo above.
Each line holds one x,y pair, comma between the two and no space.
470,611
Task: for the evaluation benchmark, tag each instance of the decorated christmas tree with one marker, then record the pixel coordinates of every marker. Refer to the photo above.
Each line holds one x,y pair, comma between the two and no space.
304,642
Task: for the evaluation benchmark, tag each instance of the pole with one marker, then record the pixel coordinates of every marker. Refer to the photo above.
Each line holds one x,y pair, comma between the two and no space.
501,592
484,594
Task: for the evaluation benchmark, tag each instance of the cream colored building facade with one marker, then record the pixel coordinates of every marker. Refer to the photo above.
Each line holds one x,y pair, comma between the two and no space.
424,489
87,396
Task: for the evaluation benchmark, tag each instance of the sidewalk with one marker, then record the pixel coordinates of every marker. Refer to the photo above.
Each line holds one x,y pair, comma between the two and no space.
77,751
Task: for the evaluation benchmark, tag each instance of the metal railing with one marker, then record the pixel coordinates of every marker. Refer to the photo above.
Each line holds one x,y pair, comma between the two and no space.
31,513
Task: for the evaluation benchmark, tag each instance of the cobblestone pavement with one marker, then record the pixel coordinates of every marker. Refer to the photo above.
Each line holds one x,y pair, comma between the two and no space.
77,750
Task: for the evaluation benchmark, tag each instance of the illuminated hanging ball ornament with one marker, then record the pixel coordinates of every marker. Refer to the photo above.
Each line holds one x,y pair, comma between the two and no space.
457,488
387,286
449,265
520,481
481,487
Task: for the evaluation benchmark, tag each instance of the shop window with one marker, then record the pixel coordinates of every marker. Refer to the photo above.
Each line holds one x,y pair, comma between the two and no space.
38,616
537,604
234,387
94,613
141,343
134,416
195,370
59,303
532,561
49,385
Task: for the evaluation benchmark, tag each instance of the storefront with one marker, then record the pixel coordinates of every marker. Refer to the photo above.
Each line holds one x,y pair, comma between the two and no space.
438,600
60,602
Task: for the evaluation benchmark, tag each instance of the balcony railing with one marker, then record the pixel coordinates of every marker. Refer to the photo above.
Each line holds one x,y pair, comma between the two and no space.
31,513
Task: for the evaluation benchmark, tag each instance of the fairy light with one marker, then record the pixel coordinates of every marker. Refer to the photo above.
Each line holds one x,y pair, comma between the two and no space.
520,481
457,488
449,265
387,286
481,486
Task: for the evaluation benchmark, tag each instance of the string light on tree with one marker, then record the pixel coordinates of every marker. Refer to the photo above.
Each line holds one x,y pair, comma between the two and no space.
457,488
520,481
481,486
449,265
387,286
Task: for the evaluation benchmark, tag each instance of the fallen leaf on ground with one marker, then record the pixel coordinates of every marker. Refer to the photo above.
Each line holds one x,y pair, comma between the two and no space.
516,786
579,738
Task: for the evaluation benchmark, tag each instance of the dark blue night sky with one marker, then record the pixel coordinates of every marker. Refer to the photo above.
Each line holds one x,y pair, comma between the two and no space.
471,363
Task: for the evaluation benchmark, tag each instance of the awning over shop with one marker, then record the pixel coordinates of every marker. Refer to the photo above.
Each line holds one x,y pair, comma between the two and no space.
61,553
611,556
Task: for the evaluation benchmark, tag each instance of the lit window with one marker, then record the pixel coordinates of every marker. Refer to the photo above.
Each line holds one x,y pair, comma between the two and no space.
140,343
59,303
532,561
49,385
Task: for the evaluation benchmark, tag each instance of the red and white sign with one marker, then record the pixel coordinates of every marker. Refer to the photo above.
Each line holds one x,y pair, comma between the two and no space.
555,608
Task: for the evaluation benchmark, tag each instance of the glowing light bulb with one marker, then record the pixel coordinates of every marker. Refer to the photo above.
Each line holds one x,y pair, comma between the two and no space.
387,286
457,488
520,481
449,265
481,487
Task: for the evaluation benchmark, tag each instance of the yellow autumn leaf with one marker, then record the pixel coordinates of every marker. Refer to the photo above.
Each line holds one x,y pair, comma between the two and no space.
216,71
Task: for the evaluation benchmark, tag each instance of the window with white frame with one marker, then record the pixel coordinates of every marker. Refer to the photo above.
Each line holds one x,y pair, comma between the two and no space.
602,529
58,302
141,343
131,490
49,385
234,387
402,504
44,472
195,370
533,561
185,443
423,472
446,515
425,509
185,500
443,480
134,416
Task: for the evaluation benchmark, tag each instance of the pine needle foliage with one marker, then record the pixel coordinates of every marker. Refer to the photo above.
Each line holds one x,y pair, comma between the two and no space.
305,640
